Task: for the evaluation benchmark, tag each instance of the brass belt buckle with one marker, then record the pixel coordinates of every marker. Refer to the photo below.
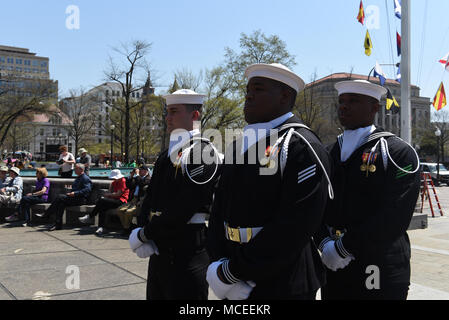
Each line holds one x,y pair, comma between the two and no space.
234,234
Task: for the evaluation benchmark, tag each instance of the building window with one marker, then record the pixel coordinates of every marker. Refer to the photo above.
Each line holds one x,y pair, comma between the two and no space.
18,69
133,95
107,93
99,140
43,64
99,133
10,60
18,61
41,147
70,147
2,59
35,63
138,95
27,62
42,131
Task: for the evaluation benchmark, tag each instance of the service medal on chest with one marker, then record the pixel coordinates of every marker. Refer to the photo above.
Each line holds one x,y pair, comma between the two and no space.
177,163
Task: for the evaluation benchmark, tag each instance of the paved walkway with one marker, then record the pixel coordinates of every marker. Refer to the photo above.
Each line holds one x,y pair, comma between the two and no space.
36,264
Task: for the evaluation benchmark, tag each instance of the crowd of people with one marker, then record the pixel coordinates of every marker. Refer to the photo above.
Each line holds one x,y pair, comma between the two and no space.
322,218
125,193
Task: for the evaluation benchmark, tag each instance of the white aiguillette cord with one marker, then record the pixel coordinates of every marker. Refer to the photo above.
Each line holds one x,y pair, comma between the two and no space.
284,155
384,145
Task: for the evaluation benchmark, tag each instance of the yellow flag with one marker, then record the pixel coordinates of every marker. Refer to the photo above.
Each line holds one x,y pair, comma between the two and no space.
368,44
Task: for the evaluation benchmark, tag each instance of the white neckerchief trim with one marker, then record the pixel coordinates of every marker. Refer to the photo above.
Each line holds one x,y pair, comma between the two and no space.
252,133
352,139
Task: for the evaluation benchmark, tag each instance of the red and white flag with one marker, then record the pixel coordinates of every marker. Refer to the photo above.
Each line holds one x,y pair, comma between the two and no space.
445,61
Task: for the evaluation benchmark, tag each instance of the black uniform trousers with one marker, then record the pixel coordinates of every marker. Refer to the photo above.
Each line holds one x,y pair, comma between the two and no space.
179,272
60,203
348,284
103,205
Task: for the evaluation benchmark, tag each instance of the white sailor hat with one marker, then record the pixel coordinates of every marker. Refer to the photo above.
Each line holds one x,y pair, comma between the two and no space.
361,87
276,72
184,96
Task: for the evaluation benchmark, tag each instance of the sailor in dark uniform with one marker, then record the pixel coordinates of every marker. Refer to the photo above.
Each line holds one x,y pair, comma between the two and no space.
364,242
177,203
270,198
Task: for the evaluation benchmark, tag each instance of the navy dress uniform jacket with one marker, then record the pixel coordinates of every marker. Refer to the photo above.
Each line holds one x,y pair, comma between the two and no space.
281,259
373,210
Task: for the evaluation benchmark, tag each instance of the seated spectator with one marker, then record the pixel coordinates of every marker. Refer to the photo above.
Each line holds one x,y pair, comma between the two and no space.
79,195
40,195
11,194
117,195
137,192
131,181
4,176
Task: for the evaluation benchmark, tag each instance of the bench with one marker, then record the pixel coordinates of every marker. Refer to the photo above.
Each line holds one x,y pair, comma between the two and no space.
71,214
7,210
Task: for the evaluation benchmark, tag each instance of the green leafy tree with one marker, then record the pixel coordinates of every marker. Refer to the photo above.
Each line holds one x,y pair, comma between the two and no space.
255,48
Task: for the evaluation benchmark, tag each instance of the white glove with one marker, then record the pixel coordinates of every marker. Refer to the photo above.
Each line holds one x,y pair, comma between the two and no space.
134,241
332,259
147,249
240,291
218,287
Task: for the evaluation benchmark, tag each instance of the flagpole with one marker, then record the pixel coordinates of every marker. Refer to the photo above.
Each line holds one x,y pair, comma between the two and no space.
406,130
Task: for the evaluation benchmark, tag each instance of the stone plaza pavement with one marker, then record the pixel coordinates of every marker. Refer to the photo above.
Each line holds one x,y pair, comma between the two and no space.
36,264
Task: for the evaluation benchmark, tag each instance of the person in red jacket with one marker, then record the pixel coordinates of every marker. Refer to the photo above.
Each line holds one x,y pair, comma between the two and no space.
117,195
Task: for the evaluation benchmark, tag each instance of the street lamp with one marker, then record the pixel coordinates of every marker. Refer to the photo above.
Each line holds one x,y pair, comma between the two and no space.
438,134
112,143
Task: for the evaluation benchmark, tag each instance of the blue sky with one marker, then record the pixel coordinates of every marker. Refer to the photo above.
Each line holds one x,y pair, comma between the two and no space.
324,36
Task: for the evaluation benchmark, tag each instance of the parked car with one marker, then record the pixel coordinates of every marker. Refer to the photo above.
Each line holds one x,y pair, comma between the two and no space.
431,167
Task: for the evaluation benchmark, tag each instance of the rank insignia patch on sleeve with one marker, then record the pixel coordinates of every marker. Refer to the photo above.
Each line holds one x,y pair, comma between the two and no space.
306,174
400,173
